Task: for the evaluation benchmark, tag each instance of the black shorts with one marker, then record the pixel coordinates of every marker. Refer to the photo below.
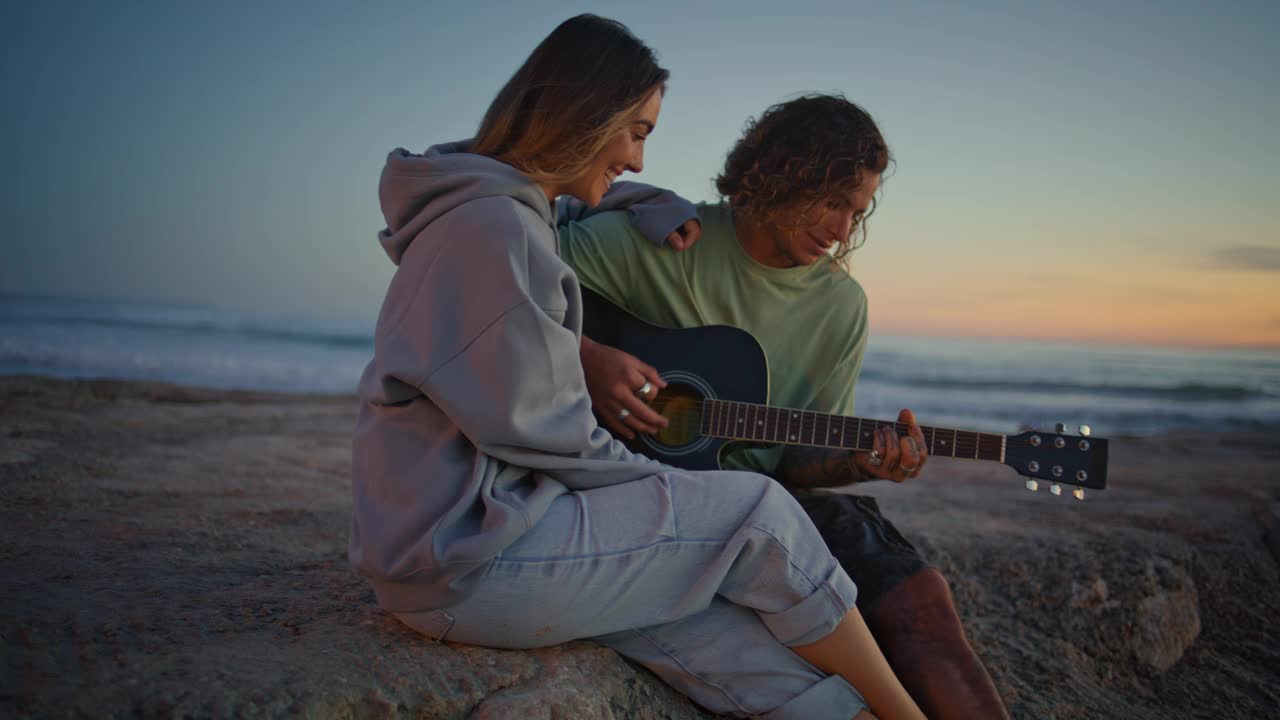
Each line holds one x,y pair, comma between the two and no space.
868,547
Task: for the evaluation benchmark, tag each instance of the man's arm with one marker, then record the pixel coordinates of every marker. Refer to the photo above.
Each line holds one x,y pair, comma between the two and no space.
891,458
806,467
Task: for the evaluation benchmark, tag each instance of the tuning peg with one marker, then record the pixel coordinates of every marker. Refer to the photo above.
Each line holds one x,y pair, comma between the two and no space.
1079,493
1086,431
1059,427
1056,489
1032,485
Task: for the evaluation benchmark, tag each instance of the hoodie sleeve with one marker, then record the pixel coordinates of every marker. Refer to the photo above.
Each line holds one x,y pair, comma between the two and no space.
654,212
492,332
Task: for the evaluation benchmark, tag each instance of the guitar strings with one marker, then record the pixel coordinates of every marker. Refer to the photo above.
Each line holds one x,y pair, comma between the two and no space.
689,414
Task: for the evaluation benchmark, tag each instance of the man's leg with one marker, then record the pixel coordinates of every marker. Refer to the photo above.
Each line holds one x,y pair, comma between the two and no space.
917,627
908,607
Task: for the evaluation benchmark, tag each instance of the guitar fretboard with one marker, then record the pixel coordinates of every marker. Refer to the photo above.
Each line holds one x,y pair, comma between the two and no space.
749,421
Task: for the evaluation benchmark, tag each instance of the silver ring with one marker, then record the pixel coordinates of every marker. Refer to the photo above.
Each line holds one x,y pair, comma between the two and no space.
875,459
645,388
623,414
908,470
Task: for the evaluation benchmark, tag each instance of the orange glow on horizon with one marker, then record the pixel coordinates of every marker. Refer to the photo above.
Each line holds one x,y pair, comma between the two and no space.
1121,303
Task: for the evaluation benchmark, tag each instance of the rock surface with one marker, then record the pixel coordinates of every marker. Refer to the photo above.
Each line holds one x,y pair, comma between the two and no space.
178,552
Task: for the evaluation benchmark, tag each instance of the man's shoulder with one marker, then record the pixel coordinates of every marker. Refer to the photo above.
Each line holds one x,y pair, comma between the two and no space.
609,226
714,214
836,284
717,229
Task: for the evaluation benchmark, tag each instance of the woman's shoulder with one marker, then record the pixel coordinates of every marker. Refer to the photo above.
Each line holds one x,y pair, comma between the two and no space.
497,213
492,225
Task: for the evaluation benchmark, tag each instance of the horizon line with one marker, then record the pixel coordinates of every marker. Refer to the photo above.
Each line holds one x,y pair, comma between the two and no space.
905,333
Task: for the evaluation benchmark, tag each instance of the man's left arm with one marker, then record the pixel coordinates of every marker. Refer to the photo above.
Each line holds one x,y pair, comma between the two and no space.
892,457
809,467
819,467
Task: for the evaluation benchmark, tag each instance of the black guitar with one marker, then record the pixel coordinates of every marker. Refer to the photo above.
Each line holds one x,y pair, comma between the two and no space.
718,391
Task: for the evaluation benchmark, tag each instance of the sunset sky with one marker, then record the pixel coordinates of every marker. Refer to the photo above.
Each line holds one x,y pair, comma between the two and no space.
1099,171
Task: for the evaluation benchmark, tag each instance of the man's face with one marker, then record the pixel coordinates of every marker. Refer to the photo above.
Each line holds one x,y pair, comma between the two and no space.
822,226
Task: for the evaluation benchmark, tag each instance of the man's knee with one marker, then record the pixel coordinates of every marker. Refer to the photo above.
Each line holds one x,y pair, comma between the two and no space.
921,604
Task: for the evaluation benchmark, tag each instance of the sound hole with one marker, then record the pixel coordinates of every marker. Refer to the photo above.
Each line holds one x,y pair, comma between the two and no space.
681,404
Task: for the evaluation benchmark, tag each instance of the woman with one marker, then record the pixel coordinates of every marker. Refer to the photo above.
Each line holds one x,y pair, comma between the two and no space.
490,508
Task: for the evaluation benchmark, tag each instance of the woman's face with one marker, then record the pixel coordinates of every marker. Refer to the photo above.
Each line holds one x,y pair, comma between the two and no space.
624,152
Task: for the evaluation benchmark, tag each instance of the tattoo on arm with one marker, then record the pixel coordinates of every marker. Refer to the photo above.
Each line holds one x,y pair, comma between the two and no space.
817,467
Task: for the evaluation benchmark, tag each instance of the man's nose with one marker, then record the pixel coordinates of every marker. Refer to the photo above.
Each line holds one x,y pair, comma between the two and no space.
840,224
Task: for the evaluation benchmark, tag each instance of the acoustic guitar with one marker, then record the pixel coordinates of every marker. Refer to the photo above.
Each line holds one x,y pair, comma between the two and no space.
718,390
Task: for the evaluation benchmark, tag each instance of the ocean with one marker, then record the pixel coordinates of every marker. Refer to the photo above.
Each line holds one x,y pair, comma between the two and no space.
996,386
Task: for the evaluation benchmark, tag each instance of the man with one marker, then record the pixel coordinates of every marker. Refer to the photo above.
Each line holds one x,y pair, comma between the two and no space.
799,185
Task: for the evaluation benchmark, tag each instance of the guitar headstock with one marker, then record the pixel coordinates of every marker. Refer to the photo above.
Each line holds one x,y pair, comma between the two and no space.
1059,458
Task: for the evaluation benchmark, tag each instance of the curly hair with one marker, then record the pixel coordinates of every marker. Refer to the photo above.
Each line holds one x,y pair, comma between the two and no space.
798,154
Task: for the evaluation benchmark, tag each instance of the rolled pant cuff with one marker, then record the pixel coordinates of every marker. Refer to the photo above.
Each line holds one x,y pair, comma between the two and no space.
816,616
832,697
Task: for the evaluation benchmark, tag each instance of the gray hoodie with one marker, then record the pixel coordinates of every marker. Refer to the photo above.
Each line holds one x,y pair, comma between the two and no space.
474,412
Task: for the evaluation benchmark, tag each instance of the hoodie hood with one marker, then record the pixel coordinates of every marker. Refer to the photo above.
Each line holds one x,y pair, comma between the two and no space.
417,189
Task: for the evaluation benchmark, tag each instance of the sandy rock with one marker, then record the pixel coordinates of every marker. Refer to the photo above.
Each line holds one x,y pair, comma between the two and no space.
181,552
1168,619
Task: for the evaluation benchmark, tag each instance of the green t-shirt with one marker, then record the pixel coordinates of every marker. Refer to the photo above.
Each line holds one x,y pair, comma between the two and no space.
810,320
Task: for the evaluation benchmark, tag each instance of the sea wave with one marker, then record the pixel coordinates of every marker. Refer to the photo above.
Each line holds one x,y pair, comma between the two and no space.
180,320
990,386
1183,392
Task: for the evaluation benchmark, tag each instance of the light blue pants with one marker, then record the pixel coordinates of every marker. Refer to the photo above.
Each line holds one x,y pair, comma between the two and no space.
704,578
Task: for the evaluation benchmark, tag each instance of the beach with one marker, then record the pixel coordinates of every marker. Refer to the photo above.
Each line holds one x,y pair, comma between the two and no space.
173,551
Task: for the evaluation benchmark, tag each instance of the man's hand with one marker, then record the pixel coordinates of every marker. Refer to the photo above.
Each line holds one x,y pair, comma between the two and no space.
892,457
614,380
683,237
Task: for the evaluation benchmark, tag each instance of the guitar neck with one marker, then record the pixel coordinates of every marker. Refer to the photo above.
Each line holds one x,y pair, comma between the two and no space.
761,423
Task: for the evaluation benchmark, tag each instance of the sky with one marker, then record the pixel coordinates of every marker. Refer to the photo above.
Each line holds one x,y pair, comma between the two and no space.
1095,171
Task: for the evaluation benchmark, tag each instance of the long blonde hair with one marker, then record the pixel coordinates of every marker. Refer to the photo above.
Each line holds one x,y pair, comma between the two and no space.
579,88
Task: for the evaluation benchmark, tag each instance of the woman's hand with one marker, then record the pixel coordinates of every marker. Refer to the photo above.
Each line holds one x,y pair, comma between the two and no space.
683,237
614,381
892,457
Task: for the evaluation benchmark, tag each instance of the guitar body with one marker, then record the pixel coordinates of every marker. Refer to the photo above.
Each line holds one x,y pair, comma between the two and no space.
716,361
718,389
